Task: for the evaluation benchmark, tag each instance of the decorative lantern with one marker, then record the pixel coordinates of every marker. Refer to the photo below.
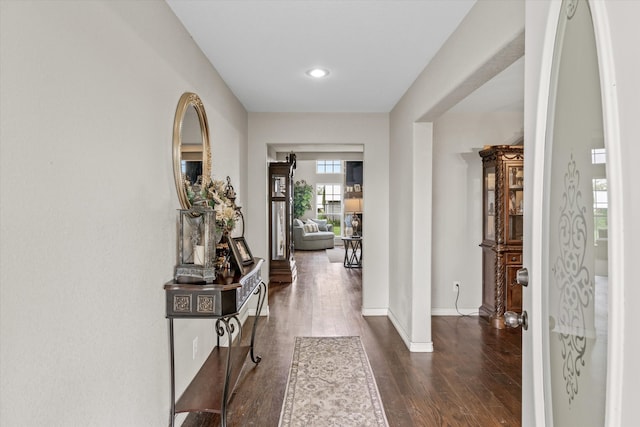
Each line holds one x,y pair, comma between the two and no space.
196,245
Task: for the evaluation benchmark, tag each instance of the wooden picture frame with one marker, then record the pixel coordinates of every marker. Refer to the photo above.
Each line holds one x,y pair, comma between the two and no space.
241,251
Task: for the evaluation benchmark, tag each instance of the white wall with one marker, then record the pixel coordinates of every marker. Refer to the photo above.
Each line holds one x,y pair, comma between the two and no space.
88,95
457,203
489,39
369,130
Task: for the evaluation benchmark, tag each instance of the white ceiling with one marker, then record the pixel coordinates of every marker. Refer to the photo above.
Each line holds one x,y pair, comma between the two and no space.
374,50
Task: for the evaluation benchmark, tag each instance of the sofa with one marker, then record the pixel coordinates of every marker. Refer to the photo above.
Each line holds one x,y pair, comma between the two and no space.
312,235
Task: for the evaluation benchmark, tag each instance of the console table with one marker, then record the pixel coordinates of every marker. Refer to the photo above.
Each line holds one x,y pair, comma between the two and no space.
210,389
351,257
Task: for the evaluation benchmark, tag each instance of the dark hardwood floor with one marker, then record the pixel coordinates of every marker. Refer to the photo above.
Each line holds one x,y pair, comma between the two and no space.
471,379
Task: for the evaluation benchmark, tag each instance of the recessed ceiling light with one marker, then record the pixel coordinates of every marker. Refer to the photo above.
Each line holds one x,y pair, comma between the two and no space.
318,73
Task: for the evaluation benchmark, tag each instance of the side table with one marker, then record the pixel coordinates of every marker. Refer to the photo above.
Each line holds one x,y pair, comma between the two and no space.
211,389
352,259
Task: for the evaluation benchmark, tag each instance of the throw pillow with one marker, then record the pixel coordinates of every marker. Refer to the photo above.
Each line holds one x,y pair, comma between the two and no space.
311,227
322,224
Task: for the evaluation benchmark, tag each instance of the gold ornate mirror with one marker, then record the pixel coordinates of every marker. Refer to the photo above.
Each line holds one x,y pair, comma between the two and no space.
191,151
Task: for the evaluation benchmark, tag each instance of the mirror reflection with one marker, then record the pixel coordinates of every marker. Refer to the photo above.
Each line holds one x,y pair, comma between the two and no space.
191,153
191,146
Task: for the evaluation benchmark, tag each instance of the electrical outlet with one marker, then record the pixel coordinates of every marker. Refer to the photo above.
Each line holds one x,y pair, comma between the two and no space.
195,347
456,286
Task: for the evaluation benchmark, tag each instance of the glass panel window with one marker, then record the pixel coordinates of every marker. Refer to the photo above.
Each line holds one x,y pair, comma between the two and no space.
598,156
600,206
329,166
329,204
600,202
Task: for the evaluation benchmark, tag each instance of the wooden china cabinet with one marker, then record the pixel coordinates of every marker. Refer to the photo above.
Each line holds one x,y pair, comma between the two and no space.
503,178
282,266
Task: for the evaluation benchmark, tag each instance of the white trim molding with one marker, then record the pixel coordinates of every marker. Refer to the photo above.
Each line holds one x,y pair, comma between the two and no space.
414,347
454,312
375,311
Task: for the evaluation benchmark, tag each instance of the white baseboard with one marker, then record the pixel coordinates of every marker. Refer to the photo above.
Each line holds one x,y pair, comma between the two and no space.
263,312
374,311
454,312
414,347
421,347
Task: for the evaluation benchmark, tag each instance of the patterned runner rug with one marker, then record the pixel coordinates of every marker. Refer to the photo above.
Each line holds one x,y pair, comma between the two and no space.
331,384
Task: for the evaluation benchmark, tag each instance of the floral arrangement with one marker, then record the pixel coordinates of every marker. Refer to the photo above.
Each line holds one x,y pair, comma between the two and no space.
223,197
218,195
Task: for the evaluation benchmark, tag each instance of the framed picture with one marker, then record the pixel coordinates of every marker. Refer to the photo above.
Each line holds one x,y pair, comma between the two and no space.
357,188
241,252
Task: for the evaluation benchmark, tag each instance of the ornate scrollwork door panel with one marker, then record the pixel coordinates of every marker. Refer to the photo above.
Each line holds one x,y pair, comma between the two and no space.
575,274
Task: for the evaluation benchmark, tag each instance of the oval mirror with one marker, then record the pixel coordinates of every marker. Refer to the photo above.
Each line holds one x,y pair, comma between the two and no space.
191,152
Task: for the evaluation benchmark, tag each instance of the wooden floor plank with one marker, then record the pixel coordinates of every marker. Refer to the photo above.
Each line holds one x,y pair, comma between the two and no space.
473,377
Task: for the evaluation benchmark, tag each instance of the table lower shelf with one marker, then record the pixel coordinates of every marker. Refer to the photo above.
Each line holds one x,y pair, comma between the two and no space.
204,393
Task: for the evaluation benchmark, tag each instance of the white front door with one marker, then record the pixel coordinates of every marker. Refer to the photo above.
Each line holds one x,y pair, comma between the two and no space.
568,341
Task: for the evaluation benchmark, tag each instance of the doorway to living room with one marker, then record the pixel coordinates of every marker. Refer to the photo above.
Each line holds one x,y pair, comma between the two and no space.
329,193
331,176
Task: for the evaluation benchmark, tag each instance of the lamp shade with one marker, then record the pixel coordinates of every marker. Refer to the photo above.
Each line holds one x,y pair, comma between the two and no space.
353,205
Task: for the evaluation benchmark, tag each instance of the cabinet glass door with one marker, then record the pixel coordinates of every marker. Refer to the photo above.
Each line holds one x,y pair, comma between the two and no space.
490,203
278,186
278,230
515,177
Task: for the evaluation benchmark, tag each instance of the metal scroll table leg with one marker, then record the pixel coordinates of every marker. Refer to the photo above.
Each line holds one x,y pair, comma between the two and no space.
346,254
262,294
172,414
229,329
